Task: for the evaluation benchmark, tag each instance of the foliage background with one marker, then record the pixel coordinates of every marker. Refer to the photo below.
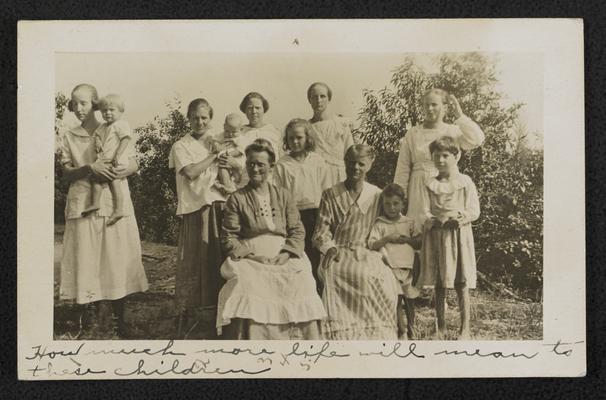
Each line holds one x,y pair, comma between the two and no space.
506,169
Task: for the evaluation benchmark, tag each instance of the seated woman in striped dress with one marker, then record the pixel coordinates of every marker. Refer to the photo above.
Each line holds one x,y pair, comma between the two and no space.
360,292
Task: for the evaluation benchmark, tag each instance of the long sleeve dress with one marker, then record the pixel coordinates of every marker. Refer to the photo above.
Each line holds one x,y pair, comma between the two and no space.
262,294
414,161
333,137
360,291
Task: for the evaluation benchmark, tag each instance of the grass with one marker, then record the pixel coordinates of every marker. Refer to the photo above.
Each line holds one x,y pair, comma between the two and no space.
152,315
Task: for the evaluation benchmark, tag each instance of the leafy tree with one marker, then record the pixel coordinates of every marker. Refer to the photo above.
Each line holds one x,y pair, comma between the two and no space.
508,174
153,188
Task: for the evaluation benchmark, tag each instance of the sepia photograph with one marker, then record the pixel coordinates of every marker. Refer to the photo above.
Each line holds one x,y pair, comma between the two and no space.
301,199
274,196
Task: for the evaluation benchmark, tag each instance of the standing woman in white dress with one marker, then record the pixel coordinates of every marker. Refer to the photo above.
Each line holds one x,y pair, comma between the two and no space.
414,161
331,133
101,264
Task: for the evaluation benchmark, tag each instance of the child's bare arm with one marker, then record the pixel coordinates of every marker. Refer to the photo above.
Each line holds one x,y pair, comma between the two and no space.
381,242
415,242
124,141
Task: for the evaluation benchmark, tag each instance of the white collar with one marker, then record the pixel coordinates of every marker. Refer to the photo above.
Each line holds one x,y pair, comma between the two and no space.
78,130
366,199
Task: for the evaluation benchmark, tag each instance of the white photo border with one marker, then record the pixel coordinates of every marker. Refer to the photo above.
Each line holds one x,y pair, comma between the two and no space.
559,40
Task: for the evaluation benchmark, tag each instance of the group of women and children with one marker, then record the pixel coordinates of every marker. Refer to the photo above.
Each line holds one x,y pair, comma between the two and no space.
281,232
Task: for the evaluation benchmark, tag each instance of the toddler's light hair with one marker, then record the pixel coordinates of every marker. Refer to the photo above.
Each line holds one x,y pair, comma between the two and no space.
111,99
233,118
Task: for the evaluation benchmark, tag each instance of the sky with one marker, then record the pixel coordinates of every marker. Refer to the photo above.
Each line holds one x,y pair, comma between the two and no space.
148,81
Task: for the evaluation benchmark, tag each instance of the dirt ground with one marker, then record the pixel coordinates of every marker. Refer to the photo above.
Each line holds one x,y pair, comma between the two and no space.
152,315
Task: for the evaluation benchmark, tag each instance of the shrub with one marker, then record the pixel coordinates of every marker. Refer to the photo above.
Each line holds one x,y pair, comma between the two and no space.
153,189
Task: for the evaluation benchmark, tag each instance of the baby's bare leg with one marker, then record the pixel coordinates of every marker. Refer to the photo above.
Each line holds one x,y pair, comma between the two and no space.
224,183
118,196
96,190
464,309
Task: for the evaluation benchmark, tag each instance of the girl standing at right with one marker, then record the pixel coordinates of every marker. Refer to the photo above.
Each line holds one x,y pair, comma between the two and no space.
448,253
414,161
304,174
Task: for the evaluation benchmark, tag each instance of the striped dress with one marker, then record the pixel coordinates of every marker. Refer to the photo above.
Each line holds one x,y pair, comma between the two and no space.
360,291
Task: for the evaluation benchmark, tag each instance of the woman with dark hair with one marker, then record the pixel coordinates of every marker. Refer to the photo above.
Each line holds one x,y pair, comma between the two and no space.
360,291
200,206
270,292
101,264
254,105
331,133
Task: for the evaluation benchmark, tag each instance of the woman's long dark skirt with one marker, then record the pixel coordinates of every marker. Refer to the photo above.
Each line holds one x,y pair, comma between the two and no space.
199,258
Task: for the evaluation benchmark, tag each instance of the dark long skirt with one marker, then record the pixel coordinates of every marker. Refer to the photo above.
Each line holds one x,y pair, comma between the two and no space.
308,217
199,258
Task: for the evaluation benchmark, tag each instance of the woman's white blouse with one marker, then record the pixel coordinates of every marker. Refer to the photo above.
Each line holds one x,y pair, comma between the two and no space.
193,194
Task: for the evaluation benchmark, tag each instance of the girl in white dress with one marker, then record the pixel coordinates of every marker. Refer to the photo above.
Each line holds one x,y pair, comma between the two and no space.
414,161
303,172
